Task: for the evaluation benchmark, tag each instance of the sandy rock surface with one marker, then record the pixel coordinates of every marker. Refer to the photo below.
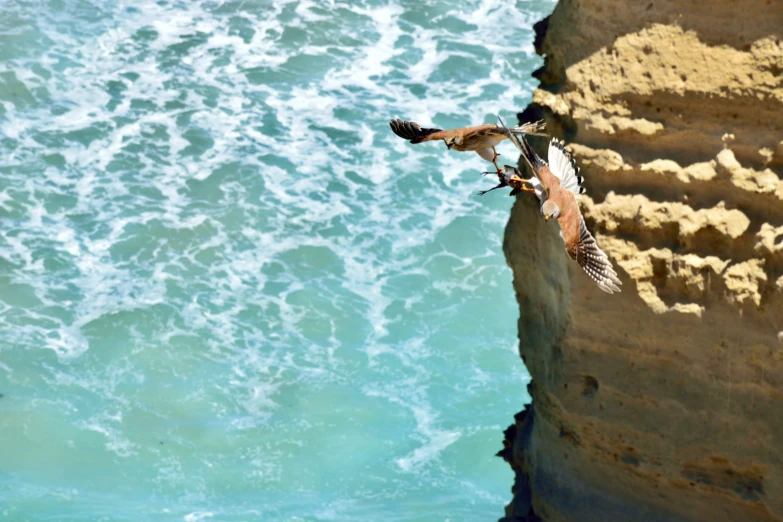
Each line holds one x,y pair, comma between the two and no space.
664,402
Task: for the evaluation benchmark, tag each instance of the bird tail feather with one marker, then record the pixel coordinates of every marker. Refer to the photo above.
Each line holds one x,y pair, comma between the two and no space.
536,127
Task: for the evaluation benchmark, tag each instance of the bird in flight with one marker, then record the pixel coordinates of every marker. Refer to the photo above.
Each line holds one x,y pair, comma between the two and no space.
481,139
561,185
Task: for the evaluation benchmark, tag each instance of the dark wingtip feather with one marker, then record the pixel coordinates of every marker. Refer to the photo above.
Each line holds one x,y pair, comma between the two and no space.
410,130
403,129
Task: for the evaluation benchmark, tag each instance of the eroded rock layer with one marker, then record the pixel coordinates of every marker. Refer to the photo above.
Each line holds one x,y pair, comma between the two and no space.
664,402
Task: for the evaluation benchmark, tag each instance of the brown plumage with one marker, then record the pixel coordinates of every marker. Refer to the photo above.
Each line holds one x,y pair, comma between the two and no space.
481,139
561,187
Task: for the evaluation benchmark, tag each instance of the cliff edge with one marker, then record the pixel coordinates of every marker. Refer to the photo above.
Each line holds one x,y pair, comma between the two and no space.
664,402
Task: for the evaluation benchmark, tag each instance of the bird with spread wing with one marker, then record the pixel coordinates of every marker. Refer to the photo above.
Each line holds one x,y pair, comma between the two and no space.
481,139
557,185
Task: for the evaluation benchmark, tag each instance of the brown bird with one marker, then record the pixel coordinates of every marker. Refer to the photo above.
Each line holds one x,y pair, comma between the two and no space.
481,139
561,186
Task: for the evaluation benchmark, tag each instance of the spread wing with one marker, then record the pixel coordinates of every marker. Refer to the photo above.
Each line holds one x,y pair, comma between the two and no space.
412,131
562,165
581,246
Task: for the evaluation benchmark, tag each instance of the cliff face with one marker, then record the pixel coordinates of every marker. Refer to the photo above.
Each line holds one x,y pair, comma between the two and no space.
665,402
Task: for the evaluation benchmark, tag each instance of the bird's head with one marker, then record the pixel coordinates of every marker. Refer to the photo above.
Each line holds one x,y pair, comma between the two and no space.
550,210
453,141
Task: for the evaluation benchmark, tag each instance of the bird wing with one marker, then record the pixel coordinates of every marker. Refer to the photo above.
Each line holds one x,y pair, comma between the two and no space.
581,246
562,165
488,129
480,137
412,131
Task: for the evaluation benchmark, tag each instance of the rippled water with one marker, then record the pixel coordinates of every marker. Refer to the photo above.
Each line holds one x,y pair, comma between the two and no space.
227,290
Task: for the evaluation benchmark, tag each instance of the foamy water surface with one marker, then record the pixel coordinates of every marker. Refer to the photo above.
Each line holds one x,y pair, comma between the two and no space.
227,290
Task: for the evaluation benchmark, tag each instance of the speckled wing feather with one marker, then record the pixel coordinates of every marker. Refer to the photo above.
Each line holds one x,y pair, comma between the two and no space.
592,259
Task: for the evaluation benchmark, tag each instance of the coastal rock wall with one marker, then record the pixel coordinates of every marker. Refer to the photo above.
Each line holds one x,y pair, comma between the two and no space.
664,402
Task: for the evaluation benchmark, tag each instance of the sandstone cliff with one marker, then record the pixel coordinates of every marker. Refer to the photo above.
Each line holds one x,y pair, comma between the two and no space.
665,402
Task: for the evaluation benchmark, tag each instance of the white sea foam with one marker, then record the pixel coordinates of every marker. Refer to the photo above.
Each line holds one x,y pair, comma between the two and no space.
436,441
224,225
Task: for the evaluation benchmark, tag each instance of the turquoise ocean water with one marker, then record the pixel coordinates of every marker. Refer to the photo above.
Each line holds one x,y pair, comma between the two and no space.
227,290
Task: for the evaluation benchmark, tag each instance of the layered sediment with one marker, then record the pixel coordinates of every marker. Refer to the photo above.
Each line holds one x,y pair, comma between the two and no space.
664,402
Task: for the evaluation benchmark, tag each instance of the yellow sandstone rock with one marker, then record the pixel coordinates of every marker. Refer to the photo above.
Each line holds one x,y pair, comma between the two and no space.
662,403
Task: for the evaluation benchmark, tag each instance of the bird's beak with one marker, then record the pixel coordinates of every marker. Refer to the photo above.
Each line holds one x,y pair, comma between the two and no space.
449,145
